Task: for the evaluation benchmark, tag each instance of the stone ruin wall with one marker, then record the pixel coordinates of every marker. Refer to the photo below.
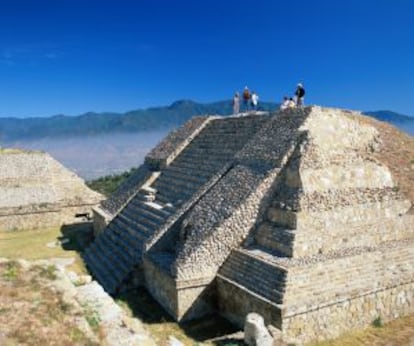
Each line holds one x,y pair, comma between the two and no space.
37,191
15,220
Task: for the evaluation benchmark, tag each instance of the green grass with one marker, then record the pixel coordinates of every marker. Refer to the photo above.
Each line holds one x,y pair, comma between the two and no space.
12,271
377,323
48,272
31,245
92,318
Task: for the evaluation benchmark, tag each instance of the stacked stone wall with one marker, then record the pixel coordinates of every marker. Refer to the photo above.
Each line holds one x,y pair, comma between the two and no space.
343,316
161,286
235,303
42,219
295,243
342,237
346,275
37,191
101,219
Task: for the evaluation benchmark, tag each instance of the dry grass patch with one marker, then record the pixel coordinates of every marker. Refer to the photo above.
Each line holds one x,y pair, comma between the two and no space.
399,332
33,314
396,152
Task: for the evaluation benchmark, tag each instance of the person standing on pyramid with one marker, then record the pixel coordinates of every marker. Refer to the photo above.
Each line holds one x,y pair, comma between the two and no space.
300,95
285,104
255,100
246,98
291,104
236,103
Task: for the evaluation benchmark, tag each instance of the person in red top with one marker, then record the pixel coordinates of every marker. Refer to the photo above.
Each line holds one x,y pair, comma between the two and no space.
246,98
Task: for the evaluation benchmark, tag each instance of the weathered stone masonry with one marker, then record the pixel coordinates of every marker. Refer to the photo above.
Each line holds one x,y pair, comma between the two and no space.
36,191
288,215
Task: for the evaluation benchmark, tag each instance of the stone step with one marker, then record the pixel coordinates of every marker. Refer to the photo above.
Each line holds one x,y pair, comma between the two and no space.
105,271
197,166
275,238
134,216
127,241
199,171
216,156
222,136
227,145
135,236
115,265
183,175
178,183
157,217
144,195
174,191
176,198
255,275
160,210
237,123
124,224
99,271
120,248
168,200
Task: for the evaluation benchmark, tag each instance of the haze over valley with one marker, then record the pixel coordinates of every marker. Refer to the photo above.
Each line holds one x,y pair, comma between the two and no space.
94,156
98,144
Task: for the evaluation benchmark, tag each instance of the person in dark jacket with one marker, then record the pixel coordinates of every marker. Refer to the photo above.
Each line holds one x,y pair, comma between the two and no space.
300,95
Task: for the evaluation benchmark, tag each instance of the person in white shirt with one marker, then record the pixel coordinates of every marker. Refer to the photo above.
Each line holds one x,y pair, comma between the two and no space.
254,100
236,103
285,104
292,103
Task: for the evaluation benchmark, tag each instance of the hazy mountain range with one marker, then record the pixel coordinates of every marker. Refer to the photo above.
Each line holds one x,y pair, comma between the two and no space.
151,119
97,144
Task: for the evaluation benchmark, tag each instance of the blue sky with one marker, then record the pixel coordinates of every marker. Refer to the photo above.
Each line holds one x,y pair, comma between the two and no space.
75,56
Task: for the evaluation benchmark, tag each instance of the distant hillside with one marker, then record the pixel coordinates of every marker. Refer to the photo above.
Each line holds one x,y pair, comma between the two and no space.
150,119
403,122
155,118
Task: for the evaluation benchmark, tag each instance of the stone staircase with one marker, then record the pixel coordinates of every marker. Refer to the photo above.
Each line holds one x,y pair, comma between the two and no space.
115,252
119,248
275,238
258,273
215,146
247,269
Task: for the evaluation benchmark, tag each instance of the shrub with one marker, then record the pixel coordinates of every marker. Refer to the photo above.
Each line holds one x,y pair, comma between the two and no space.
378,323
11,272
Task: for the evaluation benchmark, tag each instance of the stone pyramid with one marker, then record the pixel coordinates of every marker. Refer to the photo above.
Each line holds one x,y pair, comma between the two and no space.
291,215
36,191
